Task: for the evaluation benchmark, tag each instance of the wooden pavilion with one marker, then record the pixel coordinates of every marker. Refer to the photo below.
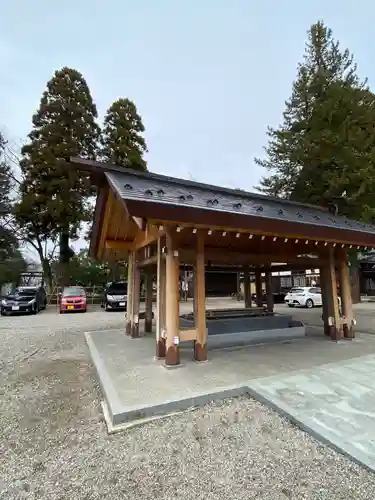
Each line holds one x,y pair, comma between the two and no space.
160,222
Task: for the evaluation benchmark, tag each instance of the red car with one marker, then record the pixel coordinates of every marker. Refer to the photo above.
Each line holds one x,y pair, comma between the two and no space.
73,298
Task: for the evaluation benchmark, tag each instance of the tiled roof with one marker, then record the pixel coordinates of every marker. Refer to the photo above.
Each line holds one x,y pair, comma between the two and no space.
172,191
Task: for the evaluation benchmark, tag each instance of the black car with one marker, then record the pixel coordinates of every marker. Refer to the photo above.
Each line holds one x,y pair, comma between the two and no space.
27,299
115,296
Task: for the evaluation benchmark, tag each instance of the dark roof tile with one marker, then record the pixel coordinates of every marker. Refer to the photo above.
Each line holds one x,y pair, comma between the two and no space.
175,192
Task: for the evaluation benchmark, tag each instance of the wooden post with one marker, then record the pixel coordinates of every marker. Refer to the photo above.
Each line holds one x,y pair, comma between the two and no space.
269,294
160,304
258,286
134,332
172,355
346,297
195,293
130,294
148,301
246,284
333,303
238,297
200,345
324,285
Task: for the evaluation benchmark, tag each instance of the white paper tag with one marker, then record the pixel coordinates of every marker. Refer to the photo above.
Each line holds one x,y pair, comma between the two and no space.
163,333
136,318
176,340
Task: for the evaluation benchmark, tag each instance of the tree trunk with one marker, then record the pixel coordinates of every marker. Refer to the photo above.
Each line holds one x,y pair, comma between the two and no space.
63,268
47,273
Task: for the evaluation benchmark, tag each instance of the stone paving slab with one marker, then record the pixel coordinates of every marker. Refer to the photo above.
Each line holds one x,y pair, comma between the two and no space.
335,402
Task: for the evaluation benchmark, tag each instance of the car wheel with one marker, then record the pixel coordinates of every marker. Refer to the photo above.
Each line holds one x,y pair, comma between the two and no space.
309,304
290,305
106,307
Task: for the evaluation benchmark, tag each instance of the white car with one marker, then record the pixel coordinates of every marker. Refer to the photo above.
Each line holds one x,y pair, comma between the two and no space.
304,296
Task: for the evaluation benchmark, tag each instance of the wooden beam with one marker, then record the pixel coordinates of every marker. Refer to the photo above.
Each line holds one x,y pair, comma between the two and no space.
150,261
188,335
200,345
105,224
225,256
144,238
118,245
141,223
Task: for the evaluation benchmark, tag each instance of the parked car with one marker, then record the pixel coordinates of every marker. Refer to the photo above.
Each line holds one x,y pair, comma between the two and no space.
115,296
73,298
304,297
26,299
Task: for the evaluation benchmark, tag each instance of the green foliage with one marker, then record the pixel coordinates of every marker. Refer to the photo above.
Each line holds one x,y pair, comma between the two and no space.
12,262
324,150
122,141
55,197
85,271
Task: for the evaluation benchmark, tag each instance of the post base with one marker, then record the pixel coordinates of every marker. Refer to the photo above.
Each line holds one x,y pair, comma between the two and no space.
134,331
200,351
348,332
128,327
334,333
160,348
327,330
172,355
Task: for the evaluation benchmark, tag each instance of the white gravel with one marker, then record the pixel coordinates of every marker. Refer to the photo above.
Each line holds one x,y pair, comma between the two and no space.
54,445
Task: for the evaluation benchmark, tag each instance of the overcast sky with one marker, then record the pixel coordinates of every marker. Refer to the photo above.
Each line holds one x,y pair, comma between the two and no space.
207,76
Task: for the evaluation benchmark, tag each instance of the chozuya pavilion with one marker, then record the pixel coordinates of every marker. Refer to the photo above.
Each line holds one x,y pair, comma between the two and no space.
160,223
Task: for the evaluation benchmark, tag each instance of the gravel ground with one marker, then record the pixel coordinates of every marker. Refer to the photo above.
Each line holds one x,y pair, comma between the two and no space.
54,445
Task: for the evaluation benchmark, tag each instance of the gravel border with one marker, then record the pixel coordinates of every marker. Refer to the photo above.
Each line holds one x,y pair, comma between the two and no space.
54,444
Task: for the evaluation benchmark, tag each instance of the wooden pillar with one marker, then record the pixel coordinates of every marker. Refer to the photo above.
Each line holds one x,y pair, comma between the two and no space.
195,293
160,304
238,297
134,331
333,304
130,294
258,287
324,285
148,301
346,297
200,345
246,285
172,354
269,294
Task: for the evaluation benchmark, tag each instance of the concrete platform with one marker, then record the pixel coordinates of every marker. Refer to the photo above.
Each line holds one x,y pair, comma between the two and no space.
325,387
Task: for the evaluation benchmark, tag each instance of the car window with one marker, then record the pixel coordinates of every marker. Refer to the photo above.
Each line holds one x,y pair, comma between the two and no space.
315,290
24,291
297,290
117,288
73,292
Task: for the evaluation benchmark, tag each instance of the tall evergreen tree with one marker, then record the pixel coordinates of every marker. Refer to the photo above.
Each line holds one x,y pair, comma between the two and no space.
54,197
122,141
324,151
325,70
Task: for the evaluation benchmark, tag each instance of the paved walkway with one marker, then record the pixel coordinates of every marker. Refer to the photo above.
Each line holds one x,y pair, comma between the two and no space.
335,402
